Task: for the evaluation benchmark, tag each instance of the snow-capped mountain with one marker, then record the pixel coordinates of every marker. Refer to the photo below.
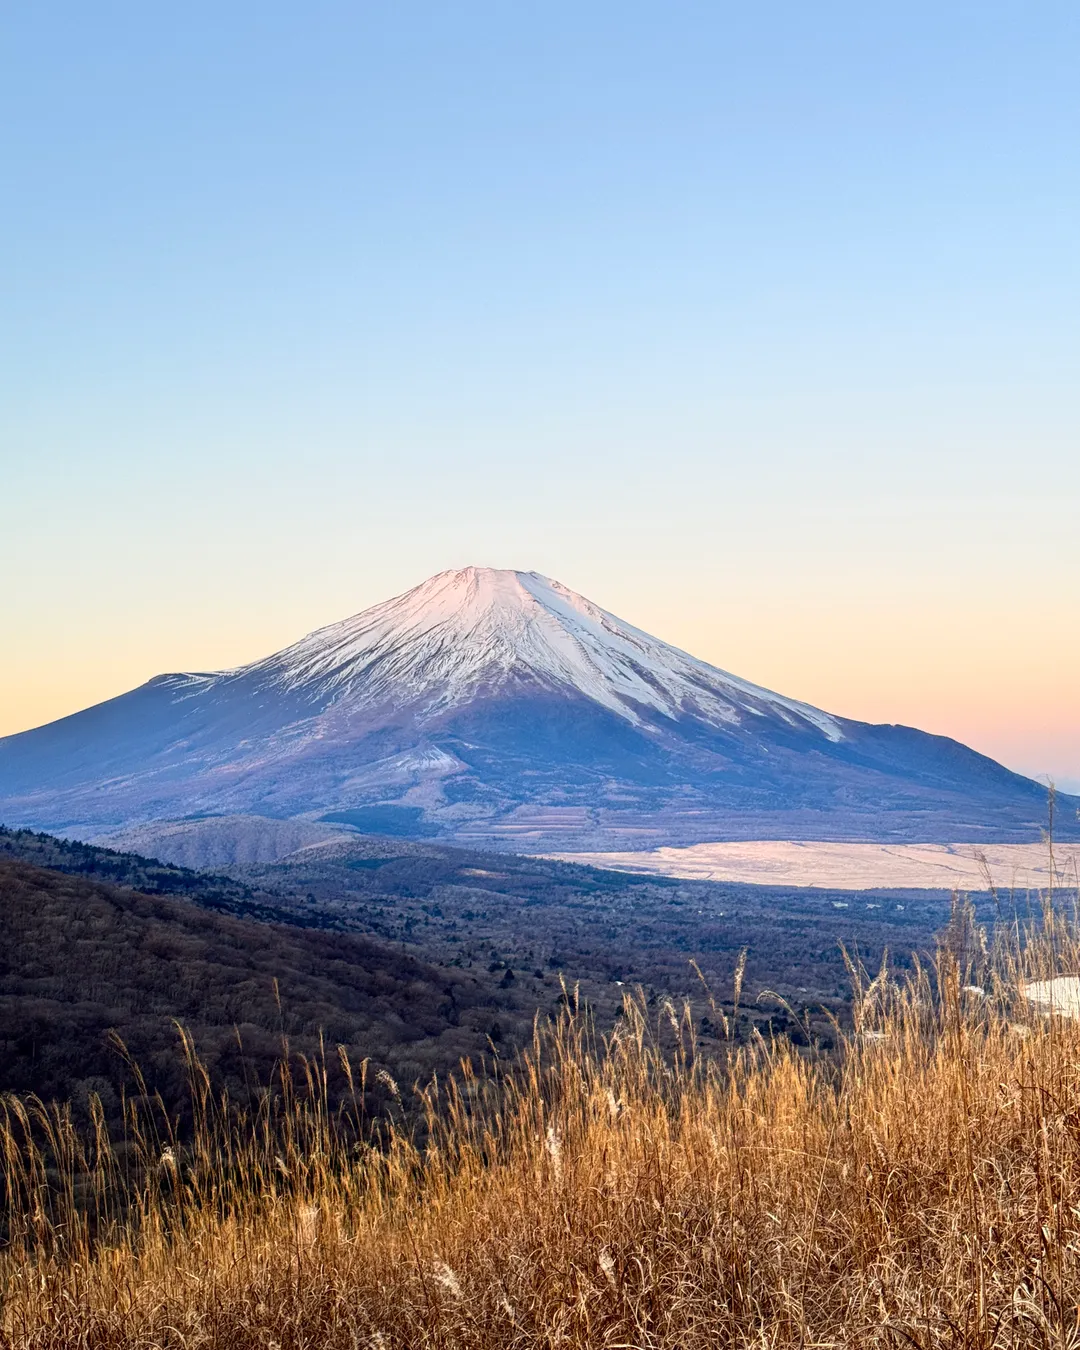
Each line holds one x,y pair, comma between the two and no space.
501,706
479,631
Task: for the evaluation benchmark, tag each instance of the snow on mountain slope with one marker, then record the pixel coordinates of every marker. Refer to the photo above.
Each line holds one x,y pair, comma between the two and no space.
481,629
500,707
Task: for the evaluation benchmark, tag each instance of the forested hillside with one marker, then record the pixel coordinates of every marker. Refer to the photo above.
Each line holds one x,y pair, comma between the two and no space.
411,955
80,959
122,869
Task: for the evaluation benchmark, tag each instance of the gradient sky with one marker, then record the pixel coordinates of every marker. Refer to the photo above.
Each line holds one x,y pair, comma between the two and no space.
758,324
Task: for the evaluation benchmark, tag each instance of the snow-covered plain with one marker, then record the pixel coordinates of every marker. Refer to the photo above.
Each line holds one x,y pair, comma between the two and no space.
854,866
1060,995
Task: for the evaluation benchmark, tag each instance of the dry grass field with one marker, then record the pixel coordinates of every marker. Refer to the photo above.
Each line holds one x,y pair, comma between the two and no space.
917,1187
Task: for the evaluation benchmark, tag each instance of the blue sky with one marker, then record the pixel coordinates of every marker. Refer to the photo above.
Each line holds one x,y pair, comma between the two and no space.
757,324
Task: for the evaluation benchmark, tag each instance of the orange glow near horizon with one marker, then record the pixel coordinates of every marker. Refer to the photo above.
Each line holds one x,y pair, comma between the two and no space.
951,673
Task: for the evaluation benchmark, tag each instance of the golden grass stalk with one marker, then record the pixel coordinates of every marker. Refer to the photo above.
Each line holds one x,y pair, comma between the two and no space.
920,1187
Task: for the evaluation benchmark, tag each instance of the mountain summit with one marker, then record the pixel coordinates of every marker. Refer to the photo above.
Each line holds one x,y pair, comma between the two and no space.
482,630
501,707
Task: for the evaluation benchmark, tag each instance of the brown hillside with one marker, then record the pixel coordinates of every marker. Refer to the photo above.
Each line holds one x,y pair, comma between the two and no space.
79,959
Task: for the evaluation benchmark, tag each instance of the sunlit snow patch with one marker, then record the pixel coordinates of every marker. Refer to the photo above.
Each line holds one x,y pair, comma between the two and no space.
1060,995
